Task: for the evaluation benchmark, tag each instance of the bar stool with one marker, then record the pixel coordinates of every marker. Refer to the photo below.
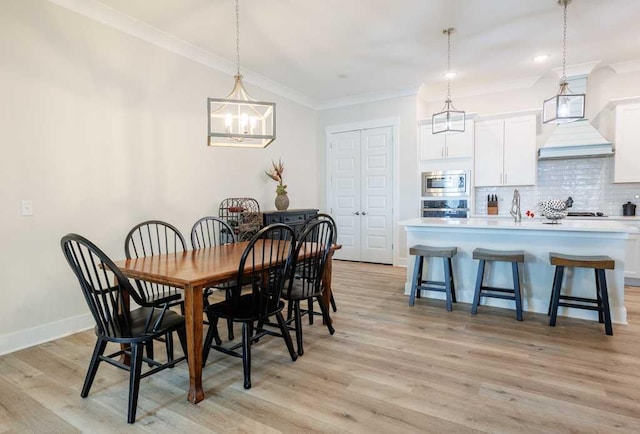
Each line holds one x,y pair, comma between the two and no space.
513,256
600,303
447,286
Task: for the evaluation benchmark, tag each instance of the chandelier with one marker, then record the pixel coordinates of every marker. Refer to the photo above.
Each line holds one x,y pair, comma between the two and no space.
448,120
239,120
565,106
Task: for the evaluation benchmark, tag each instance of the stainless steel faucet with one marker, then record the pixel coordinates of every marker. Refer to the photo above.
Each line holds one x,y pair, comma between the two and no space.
515,206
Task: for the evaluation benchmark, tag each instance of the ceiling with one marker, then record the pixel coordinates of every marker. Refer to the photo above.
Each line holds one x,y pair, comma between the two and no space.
332,49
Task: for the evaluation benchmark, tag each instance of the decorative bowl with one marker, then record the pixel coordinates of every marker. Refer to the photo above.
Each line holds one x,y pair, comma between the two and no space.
553,209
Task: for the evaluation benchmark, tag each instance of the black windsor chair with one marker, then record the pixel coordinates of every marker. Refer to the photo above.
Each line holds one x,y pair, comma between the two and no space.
106,291
264,268
213,231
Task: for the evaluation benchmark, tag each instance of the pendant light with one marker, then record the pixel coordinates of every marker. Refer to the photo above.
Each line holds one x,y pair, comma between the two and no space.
239,120
566,106
449,120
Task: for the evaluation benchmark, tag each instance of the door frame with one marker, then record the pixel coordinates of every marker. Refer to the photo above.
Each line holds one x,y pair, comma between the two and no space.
394,123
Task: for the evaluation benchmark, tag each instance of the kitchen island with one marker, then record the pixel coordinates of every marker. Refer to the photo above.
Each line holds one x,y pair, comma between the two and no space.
537,239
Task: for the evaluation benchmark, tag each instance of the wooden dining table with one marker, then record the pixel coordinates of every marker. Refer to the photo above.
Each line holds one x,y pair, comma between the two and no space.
193,271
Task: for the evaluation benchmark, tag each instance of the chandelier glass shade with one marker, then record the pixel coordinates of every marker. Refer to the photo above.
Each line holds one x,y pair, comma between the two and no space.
239,120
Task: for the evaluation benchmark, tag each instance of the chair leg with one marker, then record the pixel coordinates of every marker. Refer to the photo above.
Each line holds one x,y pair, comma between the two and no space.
605,302
212,333
557,280
227,296
333,303
447,281
289,310
310,310
149,346
284,330
247,333
516,290
98,350
476,295
325,315
182,337
414,281
298,325
134,381
168,341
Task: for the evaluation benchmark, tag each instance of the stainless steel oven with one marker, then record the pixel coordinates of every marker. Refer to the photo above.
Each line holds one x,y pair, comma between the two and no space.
454,208
454,183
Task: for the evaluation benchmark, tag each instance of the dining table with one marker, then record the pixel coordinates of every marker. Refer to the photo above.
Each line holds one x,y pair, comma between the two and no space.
194,271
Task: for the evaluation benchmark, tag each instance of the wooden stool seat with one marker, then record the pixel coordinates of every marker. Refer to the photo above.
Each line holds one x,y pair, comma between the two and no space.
597,262
600,303
499,255
418,284
438,252
513,256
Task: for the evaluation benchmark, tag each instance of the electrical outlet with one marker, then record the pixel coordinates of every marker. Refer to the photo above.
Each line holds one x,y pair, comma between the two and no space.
27,207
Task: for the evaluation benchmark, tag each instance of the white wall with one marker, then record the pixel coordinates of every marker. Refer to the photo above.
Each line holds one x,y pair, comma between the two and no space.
102,130
404,109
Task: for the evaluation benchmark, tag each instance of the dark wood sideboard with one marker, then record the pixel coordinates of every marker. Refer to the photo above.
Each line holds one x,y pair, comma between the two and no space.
292,217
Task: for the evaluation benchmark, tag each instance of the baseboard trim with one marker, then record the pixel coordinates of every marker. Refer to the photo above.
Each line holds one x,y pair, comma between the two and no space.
44,333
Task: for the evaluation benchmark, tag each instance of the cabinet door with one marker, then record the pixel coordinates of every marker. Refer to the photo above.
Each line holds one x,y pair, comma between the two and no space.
431,145
488,161
460,145
520,151
627,154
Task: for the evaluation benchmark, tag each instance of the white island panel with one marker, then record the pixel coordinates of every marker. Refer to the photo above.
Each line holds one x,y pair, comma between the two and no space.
537,239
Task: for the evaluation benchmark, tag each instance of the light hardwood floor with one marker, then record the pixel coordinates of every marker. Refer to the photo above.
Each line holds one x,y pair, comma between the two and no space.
389,368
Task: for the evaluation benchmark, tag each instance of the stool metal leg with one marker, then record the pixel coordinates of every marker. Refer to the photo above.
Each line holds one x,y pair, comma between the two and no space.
602,277
453,286
557,280
553,285
476,296
598,297
447,280
419,281
516,290
414,281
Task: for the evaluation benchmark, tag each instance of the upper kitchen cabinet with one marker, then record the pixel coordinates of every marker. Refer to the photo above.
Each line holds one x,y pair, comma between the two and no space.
627,143
505,151
446,146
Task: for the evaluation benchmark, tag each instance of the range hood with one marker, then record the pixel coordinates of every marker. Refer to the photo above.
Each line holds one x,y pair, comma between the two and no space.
575,140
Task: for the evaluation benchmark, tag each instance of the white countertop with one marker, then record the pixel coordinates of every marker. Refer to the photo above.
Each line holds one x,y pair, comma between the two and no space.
602,225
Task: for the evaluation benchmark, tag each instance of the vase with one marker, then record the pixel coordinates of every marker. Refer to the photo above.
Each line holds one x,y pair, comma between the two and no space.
282,202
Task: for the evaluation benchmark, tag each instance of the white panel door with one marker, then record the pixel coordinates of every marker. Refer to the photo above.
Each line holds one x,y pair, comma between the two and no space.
376,199
345,185
362,194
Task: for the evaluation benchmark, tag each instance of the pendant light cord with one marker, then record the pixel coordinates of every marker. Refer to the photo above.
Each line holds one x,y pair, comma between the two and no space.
238,37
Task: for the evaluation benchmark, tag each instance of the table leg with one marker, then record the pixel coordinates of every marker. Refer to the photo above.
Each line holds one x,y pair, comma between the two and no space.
326,283
193,319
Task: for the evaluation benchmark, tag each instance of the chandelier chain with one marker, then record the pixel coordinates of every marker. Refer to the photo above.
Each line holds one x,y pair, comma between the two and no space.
564,42
237,37
448,31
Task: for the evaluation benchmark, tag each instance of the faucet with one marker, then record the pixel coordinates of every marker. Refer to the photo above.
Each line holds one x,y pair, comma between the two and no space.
515,206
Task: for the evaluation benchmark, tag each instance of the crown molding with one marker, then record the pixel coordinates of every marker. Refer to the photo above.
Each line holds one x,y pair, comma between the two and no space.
483,89
364,98
623,67
578,70
139,29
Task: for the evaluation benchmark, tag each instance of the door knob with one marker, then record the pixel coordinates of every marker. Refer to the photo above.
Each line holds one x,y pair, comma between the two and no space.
357,213
364,213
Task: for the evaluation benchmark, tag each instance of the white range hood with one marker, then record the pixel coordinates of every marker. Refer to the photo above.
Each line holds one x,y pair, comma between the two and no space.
577,139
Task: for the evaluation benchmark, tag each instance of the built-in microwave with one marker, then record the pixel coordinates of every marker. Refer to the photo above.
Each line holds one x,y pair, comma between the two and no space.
446,183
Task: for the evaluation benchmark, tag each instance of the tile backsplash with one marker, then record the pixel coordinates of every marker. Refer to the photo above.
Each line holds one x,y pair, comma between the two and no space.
589,181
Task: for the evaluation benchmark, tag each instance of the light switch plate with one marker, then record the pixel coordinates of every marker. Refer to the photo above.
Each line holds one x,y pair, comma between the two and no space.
26,207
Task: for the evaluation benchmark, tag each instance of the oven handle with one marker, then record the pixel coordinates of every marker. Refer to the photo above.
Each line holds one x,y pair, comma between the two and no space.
445,209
